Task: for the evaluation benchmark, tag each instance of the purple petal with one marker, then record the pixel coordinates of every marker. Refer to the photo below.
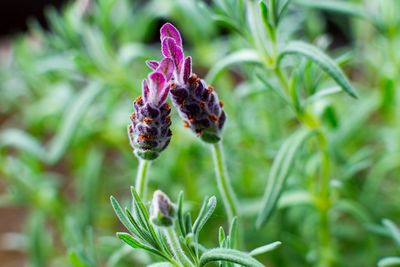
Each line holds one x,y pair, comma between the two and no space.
166,67
158,86
163,95
145,90
171,50
187,69
152,64
157,81
169,30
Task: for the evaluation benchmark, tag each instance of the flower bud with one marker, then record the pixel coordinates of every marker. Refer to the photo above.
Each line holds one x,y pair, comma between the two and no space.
162,212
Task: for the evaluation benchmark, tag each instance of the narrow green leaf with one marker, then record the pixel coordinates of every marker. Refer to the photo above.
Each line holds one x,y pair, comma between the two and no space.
204,215
121,215
131,241
393,229
71,120
279,173
228,255
143,215
181,218
233,233
188,222
389,261
265,249
76,260
221,236
241,56
23,141
322,60
161,264
343,7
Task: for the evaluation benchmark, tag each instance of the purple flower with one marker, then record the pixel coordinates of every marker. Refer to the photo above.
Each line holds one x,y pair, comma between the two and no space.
197,103
149,132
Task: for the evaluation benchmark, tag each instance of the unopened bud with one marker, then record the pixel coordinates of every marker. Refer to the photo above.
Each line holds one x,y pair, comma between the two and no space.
162,210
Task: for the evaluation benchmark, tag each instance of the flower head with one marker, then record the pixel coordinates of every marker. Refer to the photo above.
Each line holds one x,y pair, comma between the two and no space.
149,132
197,102
171,47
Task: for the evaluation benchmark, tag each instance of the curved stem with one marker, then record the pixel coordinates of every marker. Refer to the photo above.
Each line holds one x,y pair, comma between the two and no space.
141,177
175,247
224,183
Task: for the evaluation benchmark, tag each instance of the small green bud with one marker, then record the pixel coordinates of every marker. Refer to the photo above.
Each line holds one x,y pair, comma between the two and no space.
162,211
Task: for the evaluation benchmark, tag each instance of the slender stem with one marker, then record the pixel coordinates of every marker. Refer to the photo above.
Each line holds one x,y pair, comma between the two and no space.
224,183
323,195
326,251
175,247
141,177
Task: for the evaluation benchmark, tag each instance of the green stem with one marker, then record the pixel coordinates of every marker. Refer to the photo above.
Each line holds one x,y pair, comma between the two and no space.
141,177
175,247
325,240
323,195
224,183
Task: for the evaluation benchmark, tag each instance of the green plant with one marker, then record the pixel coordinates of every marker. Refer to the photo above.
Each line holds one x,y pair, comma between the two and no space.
168,232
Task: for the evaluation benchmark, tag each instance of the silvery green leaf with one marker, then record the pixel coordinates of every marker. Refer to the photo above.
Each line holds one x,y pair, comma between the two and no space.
343,7
322,60
71,120
241,56
161,264
229,255
393,229
265,248
389,262
205,214
233,233
279,173
134,243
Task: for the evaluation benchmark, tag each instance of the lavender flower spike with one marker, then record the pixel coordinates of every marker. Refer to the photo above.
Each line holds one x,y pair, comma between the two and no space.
197,102
149,132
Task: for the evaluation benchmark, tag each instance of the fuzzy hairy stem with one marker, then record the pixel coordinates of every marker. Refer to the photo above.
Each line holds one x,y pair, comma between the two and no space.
224,183
141,177
176,248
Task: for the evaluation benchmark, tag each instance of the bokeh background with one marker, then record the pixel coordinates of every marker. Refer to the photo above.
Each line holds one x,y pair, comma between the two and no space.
69,71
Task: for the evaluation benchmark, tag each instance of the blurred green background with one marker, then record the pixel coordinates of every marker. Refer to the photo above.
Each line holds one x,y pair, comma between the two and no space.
66,95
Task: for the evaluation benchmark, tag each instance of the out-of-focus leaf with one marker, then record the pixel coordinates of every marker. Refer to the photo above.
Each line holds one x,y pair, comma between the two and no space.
343,7
69,125
322,60
71,120
389,262
241,56
279,173
265,249
161,264
23,141
76,260
394,230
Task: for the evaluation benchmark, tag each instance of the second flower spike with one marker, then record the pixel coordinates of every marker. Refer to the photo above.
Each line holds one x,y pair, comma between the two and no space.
197,103
149,132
